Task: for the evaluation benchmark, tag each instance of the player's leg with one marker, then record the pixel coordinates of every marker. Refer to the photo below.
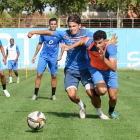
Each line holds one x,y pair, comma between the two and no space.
10,70
15,66
52,66
42,64
3,81
112,103
112,84
89,87
71,80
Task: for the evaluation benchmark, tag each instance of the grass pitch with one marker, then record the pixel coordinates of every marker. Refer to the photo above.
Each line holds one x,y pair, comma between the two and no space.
62,116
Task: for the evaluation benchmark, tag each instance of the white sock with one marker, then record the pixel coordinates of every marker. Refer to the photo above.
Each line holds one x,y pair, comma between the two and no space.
99,111
17,77
81,104
10,79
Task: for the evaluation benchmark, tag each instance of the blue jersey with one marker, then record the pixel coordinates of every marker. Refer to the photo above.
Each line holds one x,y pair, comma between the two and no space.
76,58
0,43
50,47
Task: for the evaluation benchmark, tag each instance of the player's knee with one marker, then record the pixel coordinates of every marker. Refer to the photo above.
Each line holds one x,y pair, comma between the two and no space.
39,76
53,76
102,91
72,96
113,97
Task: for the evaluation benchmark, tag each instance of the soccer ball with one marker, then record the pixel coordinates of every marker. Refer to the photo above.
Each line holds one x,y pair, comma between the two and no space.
36,120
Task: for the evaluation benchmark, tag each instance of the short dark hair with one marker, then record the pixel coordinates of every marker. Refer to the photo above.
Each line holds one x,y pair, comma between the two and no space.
99,35
74,18
52,19
11,39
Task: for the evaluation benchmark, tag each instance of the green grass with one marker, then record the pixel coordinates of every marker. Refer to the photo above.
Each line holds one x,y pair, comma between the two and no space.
62,116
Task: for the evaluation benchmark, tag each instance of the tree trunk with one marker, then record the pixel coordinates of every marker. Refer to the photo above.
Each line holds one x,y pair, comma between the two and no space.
119,20
59,14
19,19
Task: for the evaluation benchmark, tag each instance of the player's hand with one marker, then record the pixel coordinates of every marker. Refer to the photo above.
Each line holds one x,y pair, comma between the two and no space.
59,57
30,34
15,60
4,60
101,53
33,60
65,47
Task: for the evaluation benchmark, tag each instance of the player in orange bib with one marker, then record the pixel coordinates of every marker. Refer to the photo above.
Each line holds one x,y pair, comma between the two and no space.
102,65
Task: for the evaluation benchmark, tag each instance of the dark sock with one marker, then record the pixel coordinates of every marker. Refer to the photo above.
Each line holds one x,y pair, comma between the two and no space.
53,90
97,94
111,109
36,91
4,86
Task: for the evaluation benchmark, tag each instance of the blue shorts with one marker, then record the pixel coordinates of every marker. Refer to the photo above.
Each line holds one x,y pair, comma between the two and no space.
1,68
12,65
110,77
72,77
42,64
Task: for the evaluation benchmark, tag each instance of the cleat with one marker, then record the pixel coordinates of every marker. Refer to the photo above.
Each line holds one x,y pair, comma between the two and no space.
17,80
34,97
53,97
6,93
104,117
83,112
10,82
113,115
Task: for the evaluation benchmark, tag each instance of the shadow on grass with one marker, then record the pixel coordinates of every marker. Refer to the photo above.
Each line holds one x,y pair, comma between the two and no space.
69,115
48,98
33,131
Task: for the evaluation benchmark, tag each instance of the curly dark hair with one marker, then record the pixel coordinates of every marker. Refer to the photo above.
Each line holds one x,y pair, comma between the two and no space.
99,35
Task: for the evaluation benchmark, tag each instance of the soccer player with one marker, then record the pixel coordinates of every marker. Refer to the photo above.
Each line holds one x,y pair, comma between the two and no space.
3,79
102,66
48,56
12,52
76,64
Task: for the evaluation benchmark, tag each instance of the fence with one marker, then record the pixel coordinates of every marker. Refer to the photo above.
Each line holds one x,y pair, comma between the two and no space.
86,22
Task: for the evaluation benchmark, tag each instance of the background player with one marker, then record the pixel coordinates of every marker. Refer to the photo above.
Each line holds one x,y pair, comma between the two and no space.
12,52
3,79
76,64
102,66
48,56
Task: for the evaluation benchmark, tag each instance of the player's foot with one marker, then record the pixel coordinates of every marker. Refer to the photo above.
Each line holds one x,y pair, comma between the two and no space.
34,97
6,93
53,97
104,117
83,112
10,82
17,80
113,115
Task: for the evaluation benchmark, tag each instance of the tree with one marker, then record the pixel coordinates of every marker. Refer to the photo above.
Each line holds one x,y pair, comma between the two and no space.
3,6
119,6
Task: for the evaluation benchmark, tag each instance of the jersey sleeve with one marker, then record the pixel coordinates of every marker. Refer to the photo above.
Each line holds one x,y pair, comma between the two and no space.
17,49
89,33
112,51
41,39
58,34
89,43
0,43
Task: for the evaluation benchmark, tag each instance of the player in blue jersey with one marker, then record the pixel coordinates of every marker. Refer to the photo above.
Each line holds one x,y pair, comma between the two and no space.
3,79
102,65
48,56
12,52
76,68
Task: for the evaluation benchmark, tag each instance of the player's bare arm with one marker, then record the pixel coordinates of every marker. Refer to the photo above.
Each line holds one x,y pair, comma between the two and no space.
3,53
41,32
36,52
81,42
17,57
61,54
111,62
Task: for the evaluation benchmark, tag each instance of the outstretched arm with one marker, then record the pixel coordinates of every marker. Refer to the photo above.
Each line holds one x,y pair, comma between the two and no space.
81,42
41,32
3,53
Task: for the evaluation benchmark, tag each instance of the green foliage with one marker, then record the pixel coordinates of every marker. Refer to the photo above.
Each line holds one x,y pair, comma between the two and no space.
68,6
7,20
